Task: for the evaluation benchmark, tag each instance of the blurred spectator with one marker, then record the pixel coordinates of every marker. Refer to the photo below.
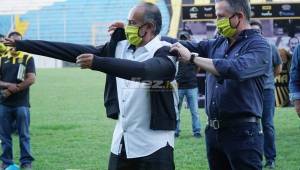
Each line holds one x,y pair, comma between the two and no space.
294,84
269,102
282,80
188,87
293,42
17,75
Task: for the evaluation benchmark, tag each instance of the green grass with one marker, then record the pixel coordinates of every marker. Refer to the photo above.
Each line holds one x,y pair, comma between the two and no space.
69,129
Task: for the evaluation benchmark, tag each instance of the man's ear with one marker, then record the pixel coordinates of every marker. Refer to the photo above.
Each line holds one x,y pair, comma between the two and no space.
152,27
241,15
142,31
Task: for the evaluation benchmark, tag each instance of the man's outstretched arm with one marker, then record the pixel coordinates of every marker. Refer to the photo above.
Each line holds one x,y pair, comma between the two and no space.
156,68
66,51
58,50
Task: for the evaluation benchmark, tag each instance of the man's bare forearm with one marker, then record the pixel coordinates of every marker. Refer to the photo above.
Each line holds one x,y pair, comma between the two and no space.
206,64
4,84
29,80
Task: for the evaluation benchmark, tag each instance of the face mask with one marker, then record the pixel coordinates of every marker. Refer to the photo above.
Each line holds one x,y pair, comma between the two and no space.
225,29
132,35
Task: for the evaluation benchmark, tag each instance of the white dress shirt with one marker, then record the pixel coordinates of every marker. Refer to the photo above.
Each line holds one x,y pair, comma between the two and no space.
135,108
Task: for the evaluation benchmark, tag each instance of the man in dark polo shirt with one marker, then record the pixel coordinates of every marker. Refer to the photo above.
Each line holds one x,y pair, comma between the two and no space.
237,65
17,74
187,87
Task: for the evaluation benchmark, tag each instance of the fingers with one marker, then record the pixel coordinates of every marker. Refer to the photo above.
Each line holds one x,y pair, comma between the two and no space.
175,47
114,26
13,88
119,24
84,56
6,93
9,42
178,45
111,28
85,60
84,64
182,52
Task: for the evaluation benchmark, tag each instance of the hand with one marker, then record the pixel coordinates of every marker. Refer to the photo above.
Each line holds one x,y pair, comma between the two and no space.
9,42
297,107
13,88
184,54
6,93
85,60
114,26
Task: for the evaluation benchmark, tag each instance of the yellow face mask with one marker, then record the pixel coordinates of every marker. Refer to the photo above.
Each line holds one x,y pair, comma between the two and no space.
132,35
225,29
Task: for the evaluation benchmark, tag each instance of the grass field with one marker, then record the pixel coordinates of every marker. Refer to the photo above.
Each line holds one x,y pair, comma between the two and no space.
69,129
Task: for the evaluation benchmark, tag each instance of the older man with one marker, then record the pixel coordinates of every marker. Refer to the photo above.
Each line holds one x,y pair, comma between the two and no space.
143,94
236,63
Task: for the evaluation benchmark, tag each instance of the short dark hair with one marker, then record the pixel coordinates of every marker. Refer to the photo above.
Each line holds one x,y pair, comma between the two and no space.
14,33
152,14
239,5
257,23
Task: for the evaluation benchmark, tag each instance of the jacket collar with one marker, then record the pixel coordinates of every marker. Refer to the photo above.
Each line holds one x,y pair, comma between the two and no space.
152,45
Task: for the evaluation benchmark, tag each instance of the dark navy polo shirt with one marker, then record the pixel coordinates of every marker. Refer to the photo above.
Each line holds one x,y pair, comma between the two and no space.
9,71
238,91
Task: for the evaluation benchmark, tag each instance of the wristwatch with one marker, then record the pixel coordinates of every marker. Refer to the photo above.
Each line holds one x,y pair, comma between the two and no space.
193,55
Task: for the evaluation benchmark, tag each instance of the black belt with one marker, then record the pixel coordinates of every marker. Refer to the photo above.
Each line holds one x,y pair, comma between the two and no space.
217,124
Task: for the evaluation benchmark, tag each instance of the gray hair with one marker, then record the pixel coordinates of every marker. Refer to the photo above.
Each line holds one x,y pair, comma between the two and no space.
239,5
152,15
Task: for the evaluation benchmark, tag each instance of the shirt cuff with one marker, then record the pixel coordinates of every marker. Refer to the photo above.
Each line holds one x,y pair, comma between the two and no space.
295,96
220,66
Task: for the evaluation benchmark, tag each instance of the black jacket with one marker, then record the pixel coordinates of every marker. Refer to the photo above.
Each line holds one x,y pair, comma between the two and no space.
160,67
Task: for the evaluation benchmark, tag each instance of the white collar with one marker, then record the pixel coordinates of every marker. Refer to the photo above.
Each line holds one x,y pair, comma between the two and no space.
153,45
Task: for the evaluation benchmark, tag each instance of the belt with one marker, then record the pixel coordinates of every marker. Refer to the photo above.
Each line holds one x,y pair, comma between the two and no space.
217,124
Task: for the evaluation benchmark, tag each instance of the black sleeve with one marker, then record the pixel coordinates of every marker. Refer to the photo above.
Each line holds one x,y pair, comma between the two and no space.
58,50
201,47
169,39
156,68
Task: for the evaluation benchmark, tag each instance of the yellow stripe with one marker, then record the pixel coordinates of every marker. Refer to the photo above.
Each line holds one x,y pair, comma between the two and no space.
197,2
276,97
281,96
151,1
176,9
20,55
14,60
29,57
